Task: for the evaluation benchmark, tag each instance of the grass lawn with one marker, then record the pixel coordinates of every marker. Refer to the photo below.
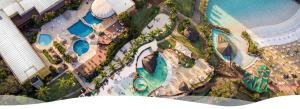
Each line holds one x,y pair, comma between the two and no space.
186,7
196,51
169,43
144,16
55,92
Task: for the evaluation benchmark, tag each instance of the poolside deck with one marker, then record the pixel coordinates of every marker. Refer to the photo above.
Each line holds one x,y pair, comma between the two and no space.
183,79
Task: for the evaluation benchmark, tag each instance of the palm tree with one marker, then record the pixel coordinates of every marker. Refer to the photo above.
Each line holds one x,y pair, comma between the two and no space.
103,74
167,27
121,62
62,83
112,67
42,92
127,55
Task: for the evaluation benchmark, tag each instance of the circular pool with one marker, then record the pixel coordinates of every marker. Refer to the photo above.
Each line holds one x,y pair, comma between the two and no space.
81,47
140,84
44,39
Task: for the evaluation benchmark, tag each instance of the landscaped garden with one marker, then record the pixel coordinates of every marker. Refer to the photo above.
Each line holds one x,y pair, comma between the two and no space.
142,18
52,59
167,44
61,87
134,23
252,49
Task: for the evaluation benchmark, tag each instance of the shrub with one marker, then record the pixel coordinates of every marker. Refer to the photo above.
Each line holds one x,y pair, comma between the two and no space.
125,18
252,49
60,48
140,3
52,60
68,58
183,24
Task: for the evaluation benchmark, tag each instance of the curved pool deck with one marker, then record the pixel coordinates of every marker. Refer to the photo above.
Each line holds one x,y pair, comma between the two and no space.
257,17
153,79
122,84
241,58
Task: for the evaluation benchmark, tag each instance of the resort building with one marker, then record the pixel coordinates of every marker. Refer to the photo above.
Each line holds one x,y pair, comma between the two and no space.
14,48
20,11
107,8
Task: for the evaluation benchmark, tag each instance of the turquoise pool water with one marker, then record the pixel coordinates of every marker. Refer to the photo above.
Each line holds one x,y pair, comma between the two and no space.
44,39
155,79
89,18
80,29
140,84
81,47
249,13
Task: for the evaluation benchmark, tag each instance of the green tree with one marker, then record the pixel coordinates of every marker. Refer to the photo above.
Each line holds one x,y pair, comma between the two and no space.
121,62
62,83
111,67
125,18
42,92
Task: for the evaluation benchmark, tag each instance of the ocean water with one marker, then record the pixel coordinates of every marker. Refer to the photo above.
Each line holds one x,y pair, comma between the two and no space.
240,14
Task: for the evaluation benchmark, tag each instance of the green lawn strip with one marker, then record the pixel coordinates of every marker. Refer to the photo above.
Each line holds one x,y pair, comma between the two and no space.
169,43
55,92
186,7
189,45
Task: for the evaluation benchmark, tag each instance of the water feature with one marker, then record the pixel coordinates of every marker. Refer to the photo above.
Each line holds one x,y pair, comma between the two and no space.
91,19
215,35
80,29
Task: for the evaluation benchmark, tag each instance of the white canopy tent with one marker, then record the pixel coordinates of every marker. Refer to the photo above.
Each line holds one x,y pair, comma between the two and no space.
102,9
106,8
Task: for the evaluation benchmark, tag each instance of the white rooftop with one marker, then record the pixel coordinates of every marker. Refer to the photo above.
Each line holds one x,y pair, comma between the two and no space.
12,7
16,51
106,8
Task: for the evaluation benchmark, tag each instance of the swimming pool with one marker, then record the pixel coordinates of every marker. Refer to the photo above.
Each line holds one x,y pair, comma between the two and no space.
80,29
140,84
153,80
237,15
44,39
91,19
81,47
